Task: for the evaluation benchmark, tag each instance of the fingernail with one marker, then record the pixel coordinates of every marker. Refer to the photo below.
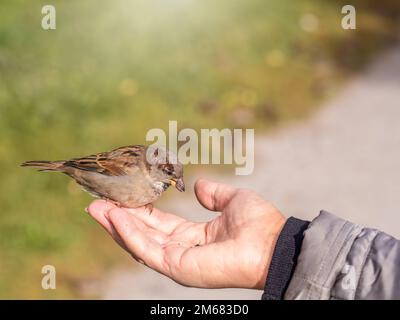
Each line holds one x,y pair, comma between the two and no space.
86,210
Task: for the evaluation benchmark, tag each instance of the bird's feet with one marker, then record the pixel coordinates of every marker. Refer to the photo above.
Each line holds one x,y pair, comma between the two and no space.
113,202
149,208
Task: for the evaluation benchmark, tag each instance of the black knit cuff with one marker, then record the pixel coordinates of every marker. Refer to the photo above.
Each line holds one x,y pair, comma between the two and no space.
284,259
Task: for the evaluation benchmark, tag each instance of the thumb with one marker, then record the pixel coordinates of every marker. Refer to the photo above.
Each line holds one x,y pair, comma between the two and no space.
213,195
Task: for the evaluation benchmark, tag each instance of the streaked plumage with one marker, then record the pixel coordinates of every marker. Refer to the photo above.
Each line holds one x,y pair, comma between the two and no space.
131,176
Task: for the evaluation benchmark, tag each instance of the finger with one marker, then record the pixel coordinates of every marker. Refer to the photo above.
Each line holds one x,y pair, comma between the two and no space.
99,209
152,233
213,195
140,243
155,234
114,234
178,229
157,219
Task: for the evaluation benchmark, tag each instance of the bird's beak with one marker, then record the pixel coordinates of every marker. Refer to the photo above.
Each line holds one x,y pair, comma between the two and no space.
178,184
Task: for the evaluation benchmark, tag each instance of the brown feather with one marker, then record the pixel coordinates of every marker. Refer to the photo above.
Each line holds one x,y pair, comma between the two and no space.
126,175
44,165
113,163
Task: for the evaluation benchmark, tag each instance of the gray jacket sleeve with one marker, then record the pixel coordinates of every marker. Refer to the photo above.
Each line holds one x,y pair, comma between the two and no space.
342,260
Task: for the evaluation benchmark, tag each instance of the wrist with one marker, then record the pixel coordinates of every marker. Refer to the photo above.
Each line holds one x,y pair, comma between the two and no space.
272,229
284,258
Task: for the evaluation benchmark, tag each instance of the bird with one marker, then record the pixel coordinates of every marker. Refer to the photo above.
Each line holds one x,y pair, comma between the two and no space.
129,176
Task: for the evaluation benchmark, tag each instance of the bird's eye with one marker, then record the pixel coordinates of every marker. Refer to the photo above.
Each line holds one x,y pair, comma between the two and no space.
169,171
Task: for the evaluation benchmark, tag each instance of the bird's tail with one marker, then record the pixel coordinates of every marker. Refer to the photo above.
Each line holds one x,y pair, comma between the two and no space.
45,165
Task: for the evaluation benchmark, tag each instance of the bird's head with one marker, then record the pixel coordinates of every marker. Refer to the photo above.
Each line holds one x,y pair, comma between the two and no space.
165,167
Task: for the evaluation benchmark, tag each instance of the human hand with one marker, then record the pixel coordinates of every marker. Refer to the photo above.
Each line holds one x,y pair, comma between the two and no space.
232,250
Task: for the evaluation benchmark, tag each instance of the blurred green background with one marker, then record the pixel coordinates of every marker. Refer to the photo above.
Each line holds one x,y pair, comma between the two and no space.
114,69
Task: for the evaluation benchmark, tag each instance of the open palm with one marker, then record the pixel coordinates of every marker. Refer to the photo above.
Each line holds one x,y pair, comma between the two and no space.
232,250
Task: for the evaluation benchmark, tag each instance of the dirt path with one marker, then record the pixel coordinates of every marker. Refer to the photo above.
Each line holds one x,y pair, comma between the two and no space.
345,159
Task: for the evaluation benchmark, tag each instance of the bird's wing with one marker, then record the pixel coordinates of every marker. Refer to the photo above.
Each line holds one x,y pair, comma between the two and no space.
113,163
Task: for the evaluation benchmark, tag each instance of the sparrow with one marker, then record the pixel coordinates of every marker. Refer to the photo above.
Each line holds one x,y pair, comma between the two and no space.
130,176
